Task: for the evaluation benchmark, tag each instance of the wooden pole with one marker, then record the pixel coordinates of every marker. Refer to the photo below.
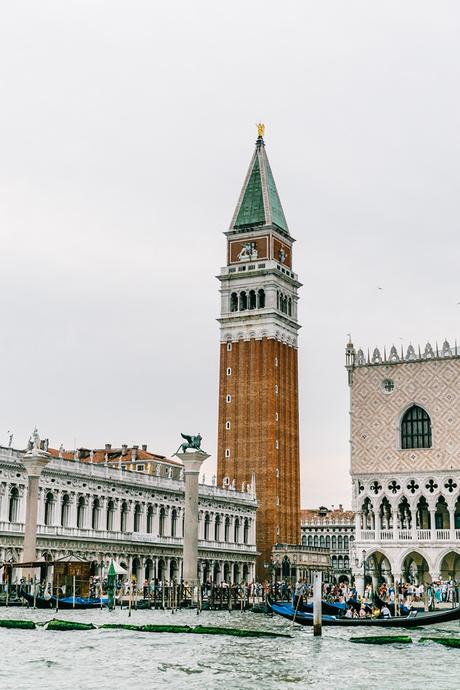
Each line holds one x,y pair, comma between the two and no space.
73,591
130,599
317,590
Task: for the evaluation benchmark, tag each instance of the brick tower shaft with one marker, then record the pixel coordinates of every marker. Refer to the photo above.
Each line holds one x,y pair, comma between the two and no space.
258,432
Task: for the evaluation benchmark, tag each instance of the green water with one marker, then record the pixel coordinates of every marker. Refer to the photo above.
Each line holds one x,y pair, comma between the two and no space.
106,659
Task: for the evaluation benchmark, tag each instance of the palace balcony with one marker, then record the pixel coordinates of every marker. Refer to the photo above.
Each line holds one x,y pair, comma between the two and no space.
405,535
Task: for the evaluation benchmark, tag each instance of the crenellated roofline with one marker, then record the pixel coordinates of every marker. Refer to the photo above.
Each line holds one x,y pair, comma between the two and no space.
357,358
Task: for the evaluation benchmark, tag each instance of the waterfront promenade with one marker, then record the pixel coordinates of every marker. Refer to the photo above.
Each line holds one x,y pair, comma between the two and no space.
104,659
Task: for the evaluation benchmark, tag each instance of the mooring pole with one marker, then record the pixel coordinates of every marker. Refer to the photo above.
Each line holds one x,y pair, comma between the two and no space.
317,591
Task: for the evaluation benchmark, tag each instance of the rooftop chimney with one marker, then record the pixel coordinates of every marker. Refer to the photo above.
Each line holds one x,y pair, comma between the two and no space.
144,446
108,446
340,506
124,449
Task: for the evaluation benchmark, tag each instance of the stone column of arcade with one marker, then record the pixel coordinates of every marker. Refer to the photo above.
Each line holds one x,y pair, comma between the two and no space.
35,460
192,462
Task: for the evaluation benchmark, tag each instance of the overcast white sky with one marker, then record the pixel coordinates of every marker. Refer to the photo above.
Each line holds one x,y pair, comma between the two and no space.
125,132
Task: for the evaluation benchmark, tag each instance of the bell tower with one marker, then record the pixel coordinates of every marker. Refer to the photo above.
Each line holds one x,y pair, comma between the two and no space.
258,430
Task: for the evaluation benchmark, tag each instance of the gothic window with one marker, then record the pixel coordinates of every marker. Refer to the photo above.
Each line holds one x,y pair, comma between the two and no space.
322,542
65,511
334,543
310,540
149,520
217,528
123,516
346,562
339,543
328,542
49,505
233,302
81,512
315,540
227,529
345,543
95,514
252,299
243,301
304,540
137,518
110,514
173,522
13,510
416,428
206,526
162,522
261,299
236,531
246,531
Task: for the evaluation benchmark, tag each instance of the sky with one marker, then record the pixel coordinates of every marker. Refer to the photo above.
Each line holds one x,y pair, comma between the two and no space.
126,128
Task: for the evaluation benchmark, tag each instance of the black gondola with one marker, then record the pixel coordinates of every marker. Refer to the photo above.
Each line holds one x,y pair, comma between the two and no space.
413,619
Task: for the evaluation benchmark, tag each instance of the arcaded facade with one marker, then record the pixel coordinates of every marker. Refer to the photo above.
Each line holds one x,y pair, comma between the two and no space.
100,513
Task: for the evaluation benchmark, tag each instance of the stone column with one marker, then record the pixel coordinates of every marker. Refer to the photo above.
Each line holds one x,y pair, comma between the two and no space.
433,523
192,465
34,461
452,522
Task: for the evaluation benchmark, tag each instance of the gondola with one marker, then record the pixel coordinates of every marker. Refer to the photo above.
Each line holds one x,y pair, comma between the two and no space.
53,602
330,609
414,619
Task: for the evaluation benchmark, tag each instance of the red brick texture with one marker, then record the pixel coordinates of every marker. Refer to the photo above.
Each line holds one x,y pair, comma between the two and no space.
263,414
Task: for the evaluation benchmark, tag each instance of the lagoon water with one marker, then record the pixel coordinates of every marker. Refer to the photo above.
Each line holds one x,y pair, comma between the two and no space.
110,659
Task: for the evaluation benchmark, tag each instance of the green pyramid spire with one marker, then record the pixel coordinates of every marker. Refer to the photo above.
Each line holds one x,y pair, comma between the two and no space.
259,202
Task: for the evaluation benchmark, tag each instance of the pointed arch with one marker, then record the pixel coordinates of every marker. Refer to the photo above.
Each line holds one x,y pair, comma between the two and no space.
416,428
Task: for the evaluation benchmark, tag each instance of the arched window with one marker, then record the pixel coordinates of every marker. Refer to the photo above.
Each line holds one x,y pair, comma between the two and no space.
328,542
149,520
315,540
252,299
243,301
346,562
206,526
416,428
227,529
289,308
261,299
173,522
246,531
339,543
345,543
334,562
334,543
65,510
110,514
13,509
162,522
236,531
304,540
123,516
233,302
137,518
49,509
217,528
322,542
95,514
310,540
81,512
